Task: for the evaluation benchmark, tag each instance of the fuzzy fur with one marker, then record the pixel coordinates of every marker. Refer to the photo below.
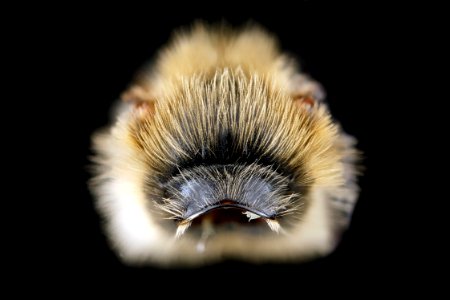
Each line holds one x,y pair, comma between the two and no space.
207,84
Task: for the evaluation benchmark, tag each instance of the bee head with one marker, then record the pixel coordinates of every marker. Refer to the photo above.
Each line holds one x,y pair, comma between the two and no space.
223,149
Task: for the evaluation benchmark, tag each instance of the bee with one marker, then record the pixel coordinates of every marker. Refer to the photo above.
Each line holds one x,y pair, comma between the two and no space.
223,149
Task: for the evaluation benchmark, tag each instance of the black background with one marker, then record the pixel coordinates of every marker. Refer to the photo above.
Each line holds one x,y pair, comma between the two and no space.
97,55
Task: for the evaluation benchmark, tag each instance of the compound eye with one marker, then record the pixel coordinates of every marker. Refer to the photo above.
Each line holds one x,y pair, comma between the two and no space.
304,102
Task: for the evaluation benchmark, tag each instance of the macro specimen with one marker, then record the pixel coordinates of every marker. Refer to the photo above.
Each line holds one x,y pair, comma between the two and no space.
222,149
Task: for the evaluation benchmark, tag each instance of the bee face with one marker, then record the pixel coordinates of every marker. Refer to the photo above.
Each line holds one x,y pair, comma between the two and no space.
232,157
